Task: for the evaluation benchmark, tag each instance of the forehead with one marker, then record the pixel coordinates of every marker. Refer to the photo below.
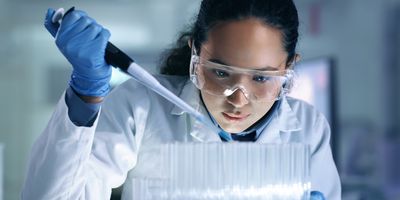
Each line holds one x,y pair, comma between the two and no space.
245,43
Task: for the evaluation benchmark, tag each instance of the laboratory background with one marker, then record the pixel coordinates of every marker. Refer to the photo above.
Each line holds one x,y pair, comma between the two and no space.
350,70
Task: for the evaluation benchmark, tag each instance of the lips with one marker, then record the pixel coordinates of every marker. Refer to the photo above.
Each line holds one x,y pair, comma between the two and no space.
234,117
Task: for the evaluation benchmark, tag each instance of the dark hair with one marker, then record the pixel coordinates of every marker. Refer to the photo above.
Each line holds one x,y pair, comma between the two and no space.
280,14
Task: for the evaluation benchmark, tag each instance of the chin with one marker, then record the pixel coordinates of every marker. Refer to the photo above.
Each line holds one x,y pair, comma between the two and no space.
231,129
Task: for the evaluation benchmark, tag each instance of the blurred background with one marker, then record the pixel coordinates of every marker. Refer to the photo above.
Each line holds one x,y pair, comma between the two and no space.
358,42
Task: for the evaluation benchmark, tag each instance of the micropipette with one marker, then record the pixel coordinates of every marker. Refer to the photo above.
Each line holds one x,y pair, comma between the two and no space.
117,58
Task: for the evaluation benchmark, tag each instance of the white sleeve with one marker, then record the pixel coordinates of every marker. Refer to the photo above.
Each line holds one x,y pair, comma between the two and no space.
70,162
324,175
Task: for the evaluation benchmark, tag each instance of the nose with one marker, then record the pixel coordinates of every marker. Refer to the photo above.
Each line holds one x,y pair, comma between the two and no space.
238,98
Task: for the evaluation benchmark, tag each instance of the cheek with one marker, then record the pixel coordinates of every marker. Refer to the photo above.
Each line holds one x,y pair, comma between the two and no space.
213,103
261,108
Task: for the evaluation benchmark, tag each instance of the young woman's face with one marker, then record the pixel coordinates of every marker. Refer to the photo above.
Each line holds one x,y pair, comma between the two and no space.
249,44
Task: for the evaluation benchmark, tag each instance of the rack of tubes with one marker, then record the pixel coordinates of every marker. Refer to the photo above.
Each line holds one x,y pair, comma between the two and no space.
234,171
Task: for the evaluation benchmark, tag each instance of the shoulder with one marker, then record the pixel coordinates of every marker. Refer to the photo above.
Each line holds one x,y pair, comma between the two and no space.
313,125
304,111
316,132
131,98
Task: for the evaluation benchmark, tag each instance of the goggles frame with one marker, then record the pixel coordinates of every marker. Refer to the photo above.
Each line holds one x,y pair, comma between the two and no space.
286,77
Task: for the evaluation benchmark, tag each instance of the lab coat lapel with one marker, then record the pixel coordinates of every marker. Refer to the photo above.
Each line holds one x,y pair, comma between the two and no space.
190,94
282,124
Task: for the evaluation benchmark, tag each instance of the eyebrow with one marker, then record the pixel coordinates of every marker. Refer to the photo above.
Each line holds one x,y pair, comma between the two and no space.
267,68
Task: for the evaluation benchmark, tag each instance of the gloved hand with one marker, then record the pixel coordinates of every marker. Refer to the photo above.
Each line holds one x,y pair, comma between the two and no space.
315,195
83,42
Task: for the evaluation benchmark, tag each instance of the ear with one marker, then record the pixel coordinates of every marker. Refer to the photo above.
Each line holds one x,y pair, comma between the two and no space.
296,59
190,42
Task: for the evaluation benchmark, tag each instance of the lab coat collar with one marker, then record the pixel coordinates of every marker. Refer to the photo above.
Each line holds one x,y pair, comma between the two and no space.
287,117
190,94
283,123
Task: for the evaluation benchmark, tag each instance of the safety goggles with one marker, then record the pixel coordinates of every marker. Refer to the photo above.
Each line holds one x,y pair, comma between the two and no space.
223,80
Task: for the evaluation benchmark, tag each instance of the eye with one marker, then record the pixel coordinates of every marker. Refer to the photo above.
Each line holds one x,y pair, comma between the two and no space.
261,79
220,73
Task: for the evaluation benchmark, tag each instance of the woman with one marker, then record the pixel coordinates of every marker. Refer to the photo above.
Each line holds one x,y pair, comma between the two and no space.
239,55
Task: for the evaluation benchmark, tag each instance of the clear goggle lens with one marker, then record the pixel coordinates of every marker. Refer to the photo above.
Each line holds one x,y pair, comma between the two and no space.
222,80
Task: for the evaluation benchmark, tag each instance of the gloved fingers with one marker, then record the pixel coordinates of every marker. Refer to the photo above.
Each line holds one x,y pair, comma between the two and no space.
70,19
90,33
99,44
80,34
79,26
103,38
95,35
316,195
104,35
86,48
50,26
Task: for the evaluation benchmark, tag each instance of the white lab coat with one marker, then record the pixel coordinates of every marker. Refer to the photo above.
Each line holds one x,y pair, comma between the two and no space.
70,162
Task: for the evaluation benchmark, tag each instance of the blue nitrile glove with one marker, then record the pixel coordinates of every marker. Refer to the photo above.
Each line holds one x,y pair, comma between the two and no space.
315,195
83,42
